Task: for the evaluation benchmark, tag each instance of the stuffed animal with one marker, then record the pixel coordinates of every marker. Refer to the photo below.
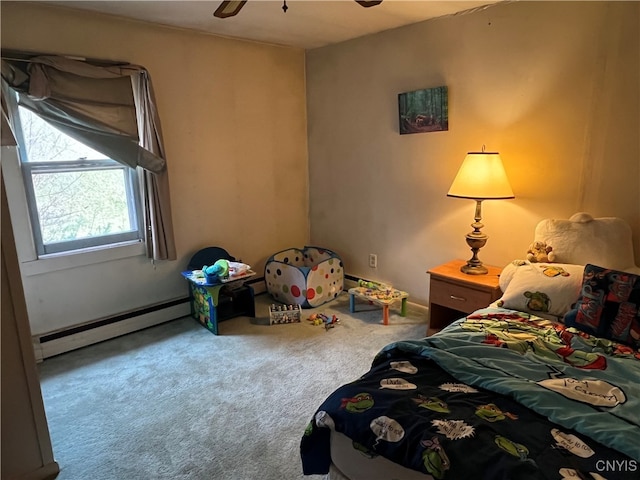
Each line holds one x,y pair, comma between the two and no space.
220,269
540,252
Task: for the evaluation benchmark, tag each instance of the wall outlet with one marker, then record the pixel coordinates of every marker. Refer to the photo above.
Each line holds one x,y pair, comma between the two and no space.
373,260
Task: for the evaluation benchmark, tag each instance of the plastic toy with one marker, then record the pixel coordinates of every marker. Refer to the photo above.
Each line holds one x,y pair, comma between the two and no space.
284,314
371,285
321,318
315,319
220,269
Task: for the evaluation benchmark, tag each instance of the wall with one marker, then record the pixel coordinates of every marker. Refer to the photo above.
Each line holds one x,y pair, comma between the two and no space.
234,122
552,86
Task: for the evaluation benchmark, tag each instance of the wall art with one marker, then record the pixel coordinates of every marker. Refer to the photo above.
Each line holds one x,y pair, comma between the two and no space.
424,110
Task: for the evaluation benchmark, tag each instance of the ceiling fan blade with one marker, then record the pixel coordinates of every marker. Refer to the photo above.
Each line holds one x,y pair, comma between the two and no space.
229,8
369,4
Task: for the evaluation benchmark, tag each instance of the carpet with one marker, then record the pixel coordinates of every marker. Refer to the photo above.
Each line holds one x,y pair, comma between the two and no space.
177,402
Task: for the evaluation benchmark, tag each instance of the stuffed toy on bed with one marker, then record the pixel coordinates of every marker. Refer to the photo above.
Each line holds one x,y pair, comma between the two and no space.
540,252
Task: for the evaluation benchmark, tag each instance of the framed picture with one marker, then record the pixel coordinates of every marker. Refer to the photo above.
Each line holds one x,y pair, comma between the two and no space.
423,111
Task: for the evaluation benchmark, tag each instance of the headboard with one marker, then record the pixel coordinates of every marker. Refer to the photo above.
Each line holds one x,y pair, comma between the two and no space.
606,241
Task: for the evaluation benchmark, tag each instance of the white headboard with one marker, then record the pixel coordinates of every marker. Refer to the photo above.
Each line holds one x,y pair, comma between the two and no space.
606,241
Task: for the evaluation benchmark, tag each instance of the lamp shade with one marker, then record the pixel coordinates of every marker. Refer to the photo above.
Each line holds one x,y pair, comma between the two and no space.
481,177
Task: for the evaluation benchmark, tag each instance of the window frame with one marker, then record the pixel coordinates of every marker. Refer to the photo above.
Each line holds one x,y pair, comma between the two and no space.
132,190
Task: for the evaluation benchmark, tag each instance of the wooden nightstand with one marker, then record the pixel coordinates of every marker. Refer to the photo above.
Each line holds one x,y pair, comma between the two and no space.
454,294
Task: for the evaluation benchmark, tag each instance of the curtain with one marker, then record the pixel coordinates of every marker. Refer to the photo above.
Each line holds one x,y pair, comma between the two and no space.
6,133
160,243
111,109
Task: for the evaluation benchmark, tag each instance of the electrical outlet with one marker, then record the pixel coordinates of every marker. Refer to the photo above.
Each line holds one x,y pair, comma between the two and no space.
373,260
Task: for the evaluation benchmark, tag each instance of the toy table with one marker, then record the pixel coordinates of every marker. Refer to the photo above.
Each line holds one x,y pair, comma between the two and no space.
382,297
213,302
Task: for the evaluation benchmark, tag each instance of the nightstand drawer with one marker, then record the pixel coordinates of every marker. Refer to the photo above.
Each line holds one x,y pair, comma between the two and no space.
457,297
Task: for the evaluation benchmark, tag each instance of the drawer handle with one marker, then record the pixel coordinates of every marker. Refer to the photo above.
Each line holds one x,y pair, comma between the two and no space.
461,299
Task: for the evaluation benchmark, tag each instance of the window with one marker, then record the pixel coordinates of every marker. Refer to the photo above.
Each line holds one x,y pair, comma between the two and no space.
77,197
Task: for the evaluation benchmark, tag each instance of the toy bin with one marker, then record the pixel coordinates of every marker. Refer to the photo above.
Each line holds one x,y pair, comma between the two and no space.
212,304
284,314
307,277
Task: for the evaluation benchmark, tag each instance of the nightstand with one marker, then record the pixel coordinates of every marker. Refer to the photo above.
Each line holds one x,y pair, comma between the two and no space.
453,294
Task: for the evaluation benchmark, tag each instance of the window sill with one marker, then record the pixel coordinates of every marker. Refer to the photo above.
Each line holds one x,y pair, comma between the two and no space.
81,258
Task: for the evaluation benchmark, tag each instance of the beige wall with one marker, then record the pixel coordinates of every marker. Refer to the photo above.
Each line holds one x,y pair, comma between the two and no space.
234,122
554,87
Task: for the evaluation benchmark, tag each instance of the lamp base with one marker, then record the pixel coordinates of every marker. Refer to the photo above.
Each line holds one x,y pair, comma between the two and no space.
471,269
476,240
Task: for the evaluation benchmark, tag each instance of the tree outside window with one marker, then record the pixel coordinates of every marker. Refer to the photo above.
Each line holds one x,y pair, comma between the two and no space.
77,197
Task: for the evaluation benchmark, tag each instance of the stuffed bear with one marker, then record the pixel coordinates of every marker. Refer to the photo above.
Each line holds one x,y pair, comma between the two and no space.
540,252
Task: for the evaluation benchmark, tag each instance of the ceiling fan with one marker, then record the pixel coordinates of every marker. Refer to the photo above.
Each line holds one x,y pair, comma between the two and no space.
230,8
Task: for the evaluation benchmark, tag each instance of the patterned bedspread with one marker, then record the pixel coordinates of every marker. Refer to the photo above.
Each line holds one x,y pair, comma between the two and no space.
500,394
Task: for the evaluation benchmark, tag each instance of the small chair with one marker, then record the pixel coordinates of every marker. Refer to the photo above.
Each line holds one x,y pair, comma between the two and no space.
211,303
208,256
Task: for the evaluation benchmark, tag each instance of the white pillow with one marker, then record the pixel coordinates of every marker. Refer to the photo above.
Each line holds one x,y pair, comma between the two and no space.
583,239
543,289
507,273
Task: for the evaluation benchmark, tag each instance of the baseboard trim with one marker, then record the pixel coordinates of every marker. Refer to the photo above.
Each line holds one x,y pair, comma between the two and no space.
350,281
72,338
65,340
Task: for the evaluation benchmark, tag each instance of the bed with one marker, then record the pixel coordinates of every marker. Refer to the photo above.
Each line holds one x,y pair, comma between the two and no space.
531,387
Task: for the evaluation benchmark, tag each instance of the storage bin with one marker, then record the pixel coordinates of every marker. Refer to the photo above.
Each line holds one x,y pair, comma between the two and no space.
308,277
284,314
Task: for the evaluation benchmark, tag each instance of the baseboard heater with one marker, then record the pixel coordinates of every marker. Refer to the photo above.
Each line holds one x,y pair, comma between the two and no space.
65,340
72,338
351,281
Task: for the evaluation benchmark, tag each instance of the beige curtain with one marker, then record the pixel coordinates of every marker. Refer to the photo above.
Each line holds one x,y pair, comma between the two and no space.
7,139
112,109
160,243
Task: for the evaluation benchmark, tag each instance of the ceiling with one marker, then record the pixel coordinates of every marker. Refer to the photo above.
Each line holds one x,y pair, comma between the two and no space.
306,24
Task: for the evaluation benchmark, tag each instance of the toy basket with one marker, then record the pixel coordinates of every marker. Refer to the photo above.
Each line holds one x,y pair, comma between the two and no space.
284,314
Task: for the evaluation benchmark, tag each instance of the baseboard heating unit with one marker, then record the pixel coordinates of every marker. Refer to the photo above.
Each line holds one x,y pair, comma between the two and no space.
65,340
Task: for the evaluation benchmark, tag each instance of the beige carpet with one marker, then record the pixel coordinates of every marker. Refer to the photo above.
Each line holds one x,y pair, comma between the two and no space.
177,402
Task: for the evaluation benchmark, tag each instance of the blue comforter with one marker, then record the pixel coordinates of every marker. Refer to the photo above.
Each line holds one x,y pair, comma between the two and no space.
499,394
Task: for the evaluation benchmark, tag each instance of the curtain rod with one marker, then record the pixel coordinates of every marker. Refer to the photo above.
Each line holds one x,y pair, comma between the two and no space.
28,56
28,60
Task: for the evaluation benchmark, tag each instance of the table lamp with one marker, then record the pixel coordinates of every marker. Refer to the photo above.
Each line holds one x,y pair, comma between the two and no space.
481,177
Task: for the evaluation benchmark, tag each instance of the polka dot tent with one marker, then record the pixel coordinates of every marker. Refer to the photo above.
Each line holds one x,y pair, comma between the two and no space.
308,277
